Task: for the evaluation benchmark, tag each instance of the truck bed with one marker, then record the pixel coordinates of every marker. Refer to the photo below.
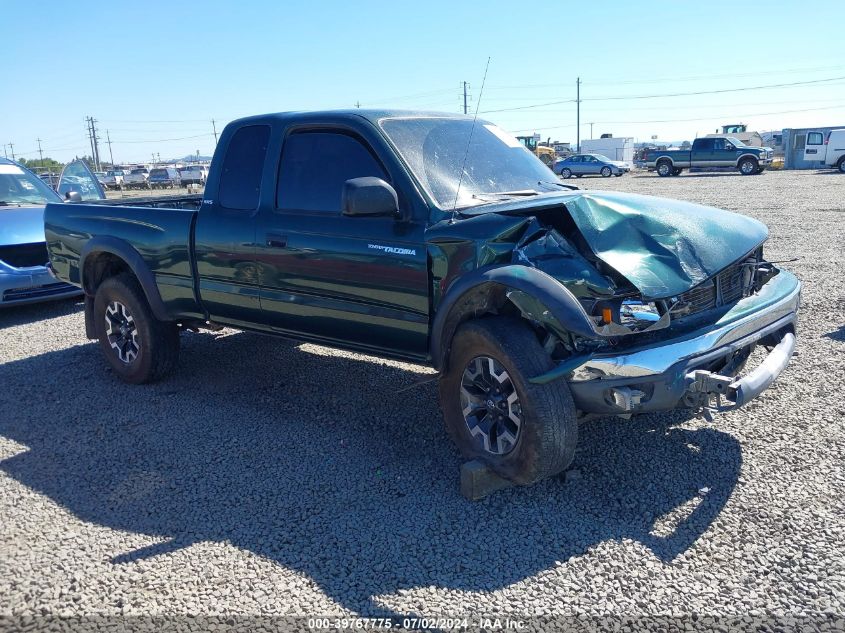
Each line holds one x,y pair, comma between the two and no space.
156,231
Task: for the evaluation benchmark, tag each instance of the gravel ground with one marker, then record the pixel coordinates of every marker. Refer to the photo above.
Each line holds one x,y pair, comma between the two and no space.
269,478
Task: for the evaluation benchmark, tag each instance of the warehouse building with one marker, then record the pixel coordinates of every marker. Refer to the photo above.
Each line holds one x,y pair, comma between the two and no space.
794,142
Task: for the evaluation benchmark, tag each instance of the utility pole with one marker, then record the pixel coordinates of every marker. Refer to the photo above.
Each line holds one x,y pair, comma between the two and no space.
96,144
357,104
40,154
578,115
111,156
12,149
90,121
5,155
214,127
465,98
591,131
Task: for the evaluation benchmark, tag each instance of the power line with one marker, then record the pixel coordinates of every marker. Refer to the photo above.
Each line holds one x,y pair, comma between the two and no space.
719,91
674,94
715,116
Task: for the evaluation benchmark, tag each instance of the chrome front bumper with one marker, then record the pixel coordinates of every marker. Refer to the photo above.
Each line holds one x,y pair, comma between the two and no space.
674,374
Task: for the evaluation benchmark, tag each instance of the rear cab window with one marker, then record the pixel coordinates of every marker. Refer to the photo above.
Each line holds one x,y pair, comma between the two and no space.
240,180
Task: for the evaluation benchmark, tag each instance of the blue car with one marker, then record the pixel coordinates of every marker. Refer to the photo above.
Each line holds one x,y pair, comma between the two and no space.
590,165
24,277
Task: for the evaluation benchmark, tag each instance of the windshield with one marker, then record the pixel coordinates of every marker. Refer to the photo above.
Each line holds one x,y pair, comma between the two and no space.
602,158
434,149
736,142
20,186
139,171
158,172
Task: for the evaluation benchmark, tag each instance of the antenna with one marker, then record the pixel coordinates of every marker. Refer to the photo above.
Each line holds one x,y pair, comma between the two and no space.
469,142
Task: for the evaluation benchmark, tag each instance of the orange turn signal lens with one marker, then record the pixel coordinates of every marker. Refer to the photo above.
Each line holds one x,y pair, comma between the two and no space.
607,315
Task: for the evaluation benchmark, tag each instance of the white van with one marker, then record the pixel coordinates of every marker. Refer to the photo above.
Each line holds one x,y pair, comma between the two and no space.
830,151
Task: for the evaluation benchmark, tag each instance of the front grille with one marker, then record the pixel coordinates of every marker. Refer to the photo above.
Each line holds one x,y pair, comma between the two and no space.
730,284
37,292
24,255
724,288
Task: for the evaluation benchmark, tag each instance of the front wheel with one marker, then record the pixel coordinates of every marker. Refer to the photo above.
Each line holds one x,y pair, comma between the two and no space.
566,173
606,172
522,431
139,347
748,166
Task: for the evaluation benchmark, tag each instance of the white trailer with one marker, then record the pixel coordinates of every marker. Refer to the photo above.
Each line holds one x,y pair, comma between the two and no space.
621,148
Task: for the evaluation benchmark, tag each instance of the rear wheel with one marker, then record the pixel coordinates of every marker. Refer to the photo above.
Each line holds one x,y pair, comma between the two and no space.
676,171
664,168
522,431
566,173
606,172
139,347
748,166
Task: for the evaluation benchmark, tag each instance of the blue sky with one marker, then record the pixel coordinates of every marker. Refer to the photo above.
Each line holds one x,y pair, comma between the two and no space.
154,71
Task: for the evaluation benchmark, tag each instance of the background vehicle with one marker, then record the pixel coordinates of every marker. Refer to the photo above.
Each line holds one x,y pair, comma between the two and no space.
527,296
101,177
164,178
24,277
740,132
137,178
51,179
830,151
194,175
543,152
114,179
590,165
710,152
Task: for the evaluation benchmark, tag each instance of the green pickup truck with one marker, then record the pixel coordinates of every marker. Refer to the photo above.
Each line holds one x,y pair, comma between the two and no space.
441,240
711,152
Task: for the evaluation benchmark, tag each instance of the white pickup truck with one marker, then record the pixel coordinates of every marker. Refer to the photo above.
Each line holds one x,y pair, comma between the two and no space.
137,179
830,151
194,175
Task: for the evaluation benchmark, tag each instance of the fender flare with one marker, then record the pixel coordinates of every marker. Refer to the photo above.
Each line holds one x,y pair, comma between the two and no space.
556,298
663,158
125,251
744,156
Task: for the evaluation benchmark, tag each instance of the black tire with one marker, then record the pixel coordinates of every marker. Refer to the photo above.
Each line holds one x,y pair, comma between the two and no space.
578,175
664,168
841,165
155,343
677,171
748,166
566,173
606,172
547,434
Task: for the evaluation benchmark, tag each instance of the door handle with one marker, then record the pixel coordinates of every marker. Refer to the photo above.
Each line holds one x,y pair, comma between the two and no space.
274,240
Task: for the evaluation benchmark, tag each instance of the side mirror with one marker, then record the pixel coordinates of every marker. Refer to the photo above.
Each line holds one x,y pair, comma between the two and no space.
369,196
73,196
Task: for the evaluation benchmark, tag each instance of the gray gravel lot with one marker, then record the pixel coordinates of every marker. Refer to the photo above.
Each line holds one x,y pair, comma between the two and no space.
267,477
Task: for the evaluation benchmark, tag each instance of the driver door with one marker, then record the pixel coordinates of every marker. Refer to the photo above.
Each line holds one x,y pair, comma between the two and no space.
357,281
76,176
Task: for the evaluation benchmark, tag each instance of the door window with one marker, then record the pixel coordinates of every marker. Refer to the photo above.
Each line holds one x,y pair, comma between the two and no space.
314,167
815,138
719,144
240,182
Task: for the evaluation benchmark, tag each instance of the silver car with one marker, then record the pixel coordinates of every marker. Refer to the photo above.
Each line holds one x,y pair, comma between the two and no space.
24,277
590,165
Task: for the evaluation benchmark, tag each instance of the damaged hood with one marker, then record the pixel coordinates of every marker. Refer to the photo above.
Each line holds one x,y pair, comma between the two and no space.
663,247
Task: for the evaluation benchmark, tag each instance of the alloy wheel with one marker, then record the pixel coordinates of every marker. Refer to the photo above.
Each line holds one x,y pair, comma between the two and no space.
122,332
490,405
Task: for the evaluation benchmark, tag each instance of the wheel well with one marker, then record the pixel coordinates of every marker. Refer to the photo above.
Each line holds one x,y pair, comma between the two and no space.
665,161
484,300
100,266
